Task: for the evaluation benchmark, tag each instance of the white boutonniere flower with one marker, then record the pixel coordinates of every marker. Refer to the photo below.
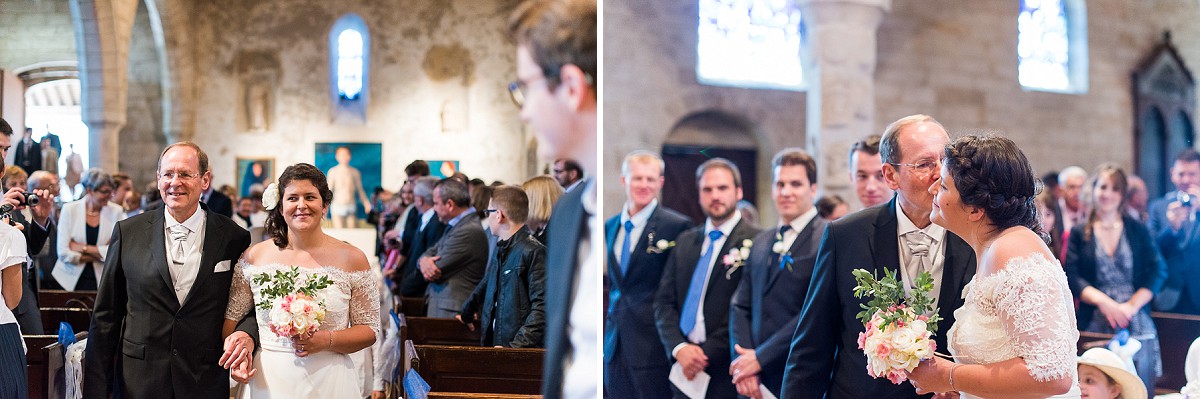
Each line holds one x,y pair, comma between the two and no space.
785,257
736,258
270,197
658,247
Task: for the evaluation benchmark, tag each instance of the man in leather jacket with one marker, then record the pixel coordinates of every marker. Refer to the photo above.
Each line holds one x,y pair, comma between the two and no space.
510,296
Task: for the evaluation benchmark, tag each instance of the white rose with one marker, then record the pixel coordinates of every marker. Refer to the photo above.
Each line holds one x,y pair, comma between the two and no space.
662,245
904,338
280,317
902,360
922,350
270,197
878,365
778,247
747,243
745,252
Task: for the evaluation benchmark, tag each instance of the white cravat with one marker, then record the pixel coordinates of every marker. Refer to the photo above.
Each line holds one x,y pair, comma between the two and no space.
935,255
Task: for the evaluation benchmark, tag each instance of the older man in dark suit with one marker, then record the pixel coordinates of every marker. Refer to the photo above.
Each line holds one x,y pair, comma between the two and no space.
824,361
766,306
156,326
638,242
692,302
456,263
1173,222
426,231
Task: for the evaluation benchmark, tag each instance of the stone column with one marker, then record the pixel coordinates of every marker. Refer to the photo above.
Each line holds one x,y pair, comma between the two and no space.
840,69
102,32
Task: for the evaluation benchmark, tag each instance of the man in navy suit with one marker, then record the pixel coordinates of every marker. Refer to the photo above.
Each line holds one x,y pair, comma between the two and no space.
556,90
824,361
635,263
766,306
692,302
427,230
1177,232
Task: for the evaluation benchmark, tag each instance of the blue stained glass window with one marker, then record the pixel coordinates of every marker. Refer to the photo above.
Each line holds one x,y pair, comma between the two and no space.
1043,45
750,43
350,64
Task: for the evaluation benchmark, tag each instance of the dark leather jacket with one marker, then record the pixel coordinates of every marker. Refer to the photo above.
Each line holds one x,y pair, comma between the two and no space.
510,296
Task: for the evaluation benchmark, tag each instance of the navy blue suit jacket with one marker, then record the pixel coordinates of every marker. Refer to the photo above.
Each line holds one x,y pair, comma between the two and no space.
767,304
1181,250
673,291
568,222
630,328
824,361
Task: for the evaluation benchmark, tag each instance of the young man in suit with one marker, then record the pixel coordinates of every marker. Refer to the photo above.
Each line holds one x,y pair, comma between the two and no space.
692,302
456,263
824,361
1175,225
556,90
635,263
156,325
28,153
766,306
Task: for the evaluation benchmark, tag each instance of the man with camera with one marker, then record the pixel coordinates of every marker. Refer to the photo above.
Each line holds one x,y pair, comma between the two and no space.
1173,221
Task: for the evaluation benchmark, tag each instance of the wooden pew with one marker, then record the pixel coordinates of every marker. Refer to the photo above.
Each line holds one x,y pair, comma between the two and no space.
1089,340
1175,335
437,331
413,306
480,370
80,319
66,299
45,365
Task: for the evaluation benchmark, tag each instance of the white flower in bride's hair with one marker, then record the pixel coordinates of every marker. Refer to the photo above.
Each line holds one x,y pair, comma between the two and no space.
270,197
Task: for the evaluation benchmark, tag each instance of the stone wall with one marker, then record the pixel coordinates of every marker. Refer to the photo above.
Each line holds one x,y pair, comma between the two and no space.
438,74
33,31
143,130
950,59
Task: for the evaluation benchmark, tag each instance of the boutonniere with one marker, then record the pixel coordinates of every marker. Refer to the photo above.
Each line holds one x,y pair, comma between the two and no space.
657,247
736,258
785,257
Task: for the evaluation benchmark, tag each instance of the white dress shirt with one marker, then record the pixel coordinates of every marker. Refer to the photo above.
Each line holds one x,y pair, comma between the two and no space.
583,363
937,252
183,276
639,224
699,334
799,223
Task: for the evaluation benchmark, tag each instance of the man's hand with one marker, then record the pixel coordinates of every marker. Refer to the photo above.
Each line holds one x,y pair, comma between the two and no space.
745,365
470,325
243,372
13,197
377,395
41,212
428,269
1176,214
693,360
748,387
239,348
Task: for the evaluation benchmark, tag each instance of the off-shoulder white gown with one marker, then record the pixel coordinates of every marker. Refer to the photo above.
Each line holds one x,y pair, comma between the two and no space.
352,299
1024,310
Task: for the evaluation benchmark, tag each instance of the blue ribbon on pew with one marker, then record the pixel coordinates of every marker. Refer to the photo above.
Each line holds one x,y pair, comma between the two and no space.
66,334
415,386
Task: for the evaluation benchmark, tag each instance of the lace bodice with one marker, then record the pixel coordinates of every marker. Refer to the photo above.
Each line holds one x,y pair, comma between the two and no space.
352,299
1024,310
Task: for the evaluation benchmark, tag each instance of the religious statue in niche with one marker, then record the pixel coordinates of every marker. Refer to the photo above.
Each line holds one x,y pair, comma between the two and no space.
258,105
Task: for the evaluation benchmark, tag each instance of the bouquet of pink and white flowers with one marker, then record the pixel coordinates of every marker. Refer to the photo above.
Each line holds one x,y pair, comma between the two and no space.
291,297
898,334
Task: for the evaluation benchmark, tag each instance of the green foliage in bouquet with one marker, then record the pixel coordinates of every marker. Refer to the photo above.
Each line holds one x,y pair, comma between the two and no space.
889,300
286,282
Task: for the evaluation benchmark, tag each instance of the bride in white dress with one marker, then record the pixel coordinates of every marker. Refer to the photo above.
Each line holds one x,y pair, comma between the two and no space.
1015,335
318,365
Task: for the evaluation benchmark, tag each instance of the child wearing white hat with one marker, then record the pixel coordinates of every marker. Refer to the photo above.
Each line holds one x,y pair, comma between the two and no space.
1102,375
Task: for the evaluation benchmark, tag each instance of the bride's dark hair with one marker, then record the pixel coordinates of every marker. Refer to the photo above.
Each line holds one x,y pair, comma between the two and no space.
992,173
276,226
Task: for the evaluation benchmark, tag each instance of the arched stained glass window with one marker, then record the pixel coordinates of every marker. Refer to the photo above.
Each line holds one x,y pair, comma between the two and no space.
750,43
1052,46
350,64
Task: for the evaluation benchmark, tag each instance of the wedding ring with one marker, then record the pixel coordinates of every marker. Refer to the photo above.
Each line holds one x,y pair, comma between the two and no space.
302,348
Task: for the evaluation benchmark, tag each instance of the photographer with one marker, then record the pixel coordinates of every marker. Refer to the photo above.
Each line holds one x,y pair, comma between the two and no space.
1174,225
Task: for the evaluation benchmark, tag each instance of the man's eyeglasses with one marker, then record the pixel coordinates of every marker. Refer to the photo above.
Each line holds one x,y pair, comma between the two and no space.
489,212
923,167
516,89
182,176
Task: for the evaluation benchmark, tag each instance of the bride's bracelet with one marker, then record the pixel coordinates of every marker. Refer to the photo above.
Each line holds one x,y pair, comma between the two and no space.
952,388
331,348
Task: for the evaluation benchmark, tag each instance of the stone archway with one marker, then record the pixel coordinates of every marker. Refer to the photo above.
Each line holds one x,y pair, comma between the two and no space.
697,137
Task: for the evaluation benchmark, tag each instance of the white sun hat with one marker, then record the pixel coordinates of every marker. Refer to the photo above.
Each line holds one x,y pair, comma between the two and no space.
1109,363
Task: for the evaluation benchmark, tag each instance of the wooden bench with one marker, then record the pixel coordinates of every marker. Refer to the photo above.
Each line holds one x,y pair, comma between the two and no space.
45,364
66,299
1089,340
1175,335
437,331
413,306
480,370
80,319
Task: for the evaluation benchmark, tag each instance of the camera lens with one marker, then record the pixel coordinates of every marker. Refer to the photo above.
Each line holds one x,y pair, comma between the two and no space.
31,199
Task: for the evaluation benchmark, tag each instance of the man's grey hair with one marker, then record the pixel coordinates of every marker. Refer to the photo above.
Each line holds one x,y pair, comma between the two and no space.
889,144
41,180
1069,172
423,188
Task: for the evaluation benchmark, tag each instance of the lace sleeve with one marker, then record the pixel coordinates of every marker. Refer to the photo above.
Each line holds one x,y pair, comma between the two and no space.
1035,306
364,300
241,300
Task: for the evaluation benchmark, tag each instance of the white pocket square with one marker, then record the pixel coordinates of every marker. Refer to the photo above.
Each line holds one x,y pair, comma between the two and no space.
222,266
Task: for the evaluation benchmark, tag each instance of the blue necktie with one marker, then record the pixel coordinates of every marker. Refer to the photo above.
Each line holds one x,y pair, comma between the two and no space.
625,247
783,238
691,305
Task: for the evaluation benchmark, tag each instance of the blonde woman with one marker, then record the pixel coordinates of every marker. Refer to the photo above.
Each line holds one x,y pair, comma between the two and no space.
543,193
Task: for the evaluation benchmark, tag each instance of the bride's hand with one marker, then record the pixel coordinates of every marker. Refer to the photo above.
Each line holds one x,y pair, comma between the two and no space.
242,373
311,343
239,347
932,375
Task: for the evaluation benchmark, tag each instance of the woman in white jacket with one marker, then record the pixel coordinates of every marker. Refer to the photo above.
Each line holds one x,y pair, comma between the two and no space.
84,228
